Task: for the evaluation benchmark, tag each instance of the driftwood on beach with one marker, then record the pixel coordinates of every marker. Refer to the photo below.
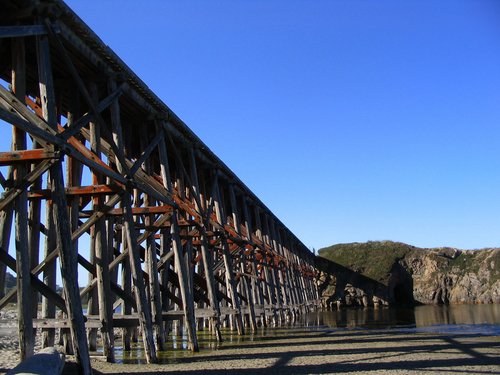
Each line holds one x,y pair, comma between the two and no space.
104,179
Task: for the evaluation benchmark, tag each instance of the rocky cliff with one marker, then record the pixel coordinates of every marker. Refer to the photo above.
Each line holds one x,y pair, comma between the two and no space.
398,273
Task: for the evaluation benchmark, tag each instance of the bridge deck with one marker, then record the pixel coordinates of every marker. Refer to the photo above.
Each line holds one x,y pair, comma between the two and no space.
104,178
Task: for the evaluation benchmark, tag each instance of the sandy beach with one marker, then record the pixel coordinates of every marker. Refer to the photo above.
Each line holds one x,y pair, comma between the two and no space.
303,351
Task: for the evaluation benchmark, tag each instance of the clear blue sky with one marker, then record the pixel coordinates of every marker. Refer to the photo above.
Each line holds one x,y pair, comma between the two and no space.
351,120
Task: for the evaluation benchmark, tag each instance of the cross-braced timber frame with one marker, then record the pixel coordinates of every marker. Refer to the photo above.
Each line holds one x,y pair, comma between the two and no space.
102,177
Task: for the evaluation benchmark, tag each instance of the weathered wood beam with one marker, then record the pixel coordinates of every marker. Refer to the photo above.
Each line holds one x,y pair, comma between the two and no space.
61,220
77,126
131,238
25,30
179,256
24,305
20,186
83,91
27,156
47,136
228,265
151,257
101,256
92,190
10,262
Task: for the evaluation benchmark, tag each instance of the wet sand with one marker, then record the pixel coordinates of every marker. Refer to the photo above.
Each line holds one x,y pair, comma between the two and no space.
302,351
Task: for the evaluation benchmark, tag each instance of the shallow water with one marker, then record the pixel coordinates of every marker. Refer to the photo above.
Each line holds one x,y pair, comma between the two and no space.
393,317
473,320
478,319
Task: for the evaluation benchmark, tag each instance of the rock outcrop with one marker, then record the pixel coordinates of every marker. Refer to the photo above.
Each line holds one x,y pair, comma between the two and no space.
396,273
455,276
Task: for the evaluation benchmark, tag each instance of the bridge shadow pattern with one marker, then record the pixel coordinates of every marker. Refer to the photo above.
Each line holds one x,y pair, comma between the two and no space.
336,352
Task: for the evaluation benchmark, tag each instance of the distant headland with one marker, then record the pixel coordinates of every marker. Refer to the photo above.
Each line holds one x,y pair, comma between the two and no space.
388,273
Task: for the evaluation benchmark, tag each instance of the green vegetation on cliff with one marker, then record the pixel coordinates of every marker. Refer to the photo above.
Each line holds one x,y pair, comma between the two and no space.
437,275
373,259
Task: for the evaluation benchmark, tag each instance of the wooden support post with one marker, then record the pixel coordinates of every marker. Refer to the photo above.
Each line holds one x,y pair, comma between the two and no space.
49,273
266,269
103,304
127,286
93,298
303,288
214,303
50,116
135,262
140,292
186,294
244,279
60,215
74,177
228,265
290,255
165,300
206,258
257,295
24,301
5,229
276,244
274,271
34,221
152,268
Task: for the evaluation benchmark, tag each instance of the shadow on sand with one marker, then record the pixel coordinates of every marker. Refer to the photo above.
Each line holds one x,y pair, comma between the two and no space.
339,353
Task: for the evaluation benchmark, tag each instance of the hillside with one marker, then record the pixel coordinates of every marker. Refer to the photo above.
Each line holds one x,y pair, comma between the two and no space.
373,259
438,275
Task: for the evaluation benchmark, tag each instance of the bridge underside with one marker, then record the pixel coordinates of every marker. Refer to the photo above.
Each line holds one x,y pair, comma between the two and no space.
104,178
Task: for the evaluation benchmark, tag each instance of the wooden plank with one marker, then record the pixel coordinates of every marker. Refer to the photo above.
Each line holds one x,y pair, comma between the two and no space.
24,30
27,156
143,211
63,323
91,190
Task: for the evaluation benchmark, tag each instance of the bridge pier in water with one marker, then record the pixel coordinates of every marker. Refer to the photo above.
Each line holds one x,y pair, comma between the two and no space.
103,179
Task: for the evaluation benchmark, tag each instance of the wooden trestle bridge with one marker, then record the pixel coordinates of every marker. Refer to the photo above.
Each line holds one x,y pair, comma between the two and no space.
103,178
